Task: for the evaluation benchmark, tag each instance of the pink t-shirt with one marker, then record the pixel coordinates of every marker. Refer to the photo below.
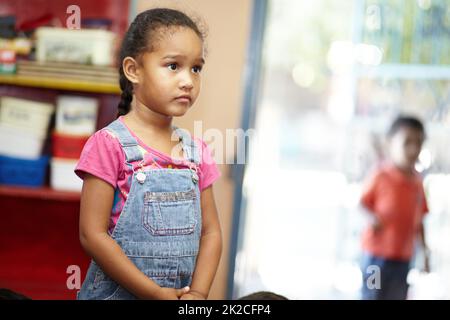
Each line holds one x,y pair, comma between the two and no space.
104,158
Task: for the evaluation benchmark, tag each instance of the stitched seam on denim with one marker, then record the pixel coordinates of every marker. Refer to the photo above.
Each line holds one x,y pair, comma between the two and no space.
170,196
184,255
113,294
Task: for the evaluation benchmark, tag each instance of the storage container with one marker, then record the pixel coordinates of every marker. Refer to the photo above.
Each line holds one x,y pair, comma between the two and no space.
7,61
76,115
23,172
20,142
77,46
62,175
69,147
32,115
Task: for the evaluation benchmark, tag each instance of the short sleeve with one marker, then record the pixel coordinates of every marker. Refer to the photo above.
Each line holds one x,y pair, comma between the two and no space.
369,191
102,156
209,172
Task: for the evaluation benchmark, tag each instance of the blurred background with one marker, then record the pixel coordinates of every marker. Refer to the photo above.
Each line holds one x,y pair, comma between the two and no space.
317,81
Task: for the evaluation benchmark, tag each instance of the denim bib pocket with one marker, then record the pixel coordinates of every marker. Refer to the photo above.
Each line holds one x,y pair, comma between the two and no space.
169,213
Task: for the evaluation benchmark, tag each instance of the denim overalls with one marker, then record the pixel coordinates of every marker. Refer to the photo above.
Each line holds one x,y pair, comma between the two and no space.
160,225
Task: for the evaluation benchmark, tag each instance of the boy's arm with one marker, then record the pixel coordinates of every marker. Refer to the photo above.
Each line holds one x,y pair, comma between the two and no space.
368,199
422,236
370,217
210,248
425,249
96,202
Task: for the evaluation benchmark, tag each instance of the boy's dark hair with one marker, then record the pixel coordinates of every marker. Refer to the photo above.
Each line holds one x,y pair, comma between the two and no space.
263,295
141,36
406,122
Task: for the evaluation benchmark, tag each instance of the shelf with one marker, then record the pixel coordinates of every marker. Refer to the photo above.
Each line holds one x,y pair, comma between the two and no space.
61,84
44,193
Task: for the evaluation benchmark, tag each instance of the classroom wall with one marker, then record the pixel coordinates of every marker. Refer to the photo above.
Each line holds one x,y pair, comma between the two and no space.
220,102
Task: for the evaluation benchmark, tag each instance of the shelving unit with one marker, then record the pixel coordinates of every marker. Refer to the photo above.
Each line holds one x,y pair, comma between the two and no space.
105,90
40,225
60,84
44,193
40,238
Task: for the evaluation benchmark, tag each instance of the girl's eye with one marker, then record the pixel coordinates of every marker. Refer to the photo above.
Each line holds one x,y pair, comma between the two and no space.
172,66
196,69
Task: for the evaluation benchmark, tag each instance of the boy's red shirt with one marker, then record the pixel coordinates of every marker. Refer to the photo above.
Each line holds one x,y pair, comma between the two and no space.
398,201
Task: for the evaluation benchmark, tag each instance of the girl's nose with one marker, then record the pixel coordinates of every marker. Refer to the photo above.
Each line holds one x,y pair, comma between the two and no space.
186,82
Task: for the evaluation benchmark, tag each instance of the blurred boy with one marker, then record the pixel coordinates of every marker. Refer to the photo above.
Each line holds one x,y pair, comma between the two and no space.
395,199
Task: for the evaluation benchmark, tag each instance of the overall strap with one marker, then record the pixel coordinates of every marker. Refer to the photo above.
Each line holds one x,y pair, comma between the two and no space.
127,141
189,145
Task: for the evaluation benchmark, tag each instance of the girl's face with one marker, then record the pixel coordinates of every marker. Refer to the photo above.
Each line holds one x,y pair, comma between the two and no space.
169,75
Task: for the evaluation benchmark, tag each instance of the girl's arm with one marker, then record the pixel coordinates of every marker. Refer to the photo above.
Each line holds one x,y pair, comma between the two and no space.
96,203
210,248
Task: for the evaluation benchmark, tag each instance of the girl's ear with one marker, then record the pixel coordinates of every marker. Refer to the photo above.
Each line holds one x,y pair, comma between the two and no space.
130,69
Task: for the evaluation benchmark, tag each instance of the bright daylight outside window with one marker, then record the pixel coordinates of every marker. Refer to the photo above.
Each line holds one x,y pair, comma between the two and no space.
334,73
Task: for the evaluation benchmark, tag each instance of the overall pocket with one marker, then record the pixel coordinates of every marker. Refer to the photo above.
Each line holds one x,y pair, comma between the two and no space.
170,213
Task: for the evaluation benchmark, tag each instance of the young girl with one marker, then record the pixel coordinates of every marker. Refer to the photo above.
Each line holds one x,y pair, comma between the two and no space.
148,217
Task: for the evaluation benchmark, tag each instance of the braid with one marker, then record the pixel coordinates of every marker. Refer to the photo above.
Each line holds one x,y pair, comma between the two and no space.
142,35
127,94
